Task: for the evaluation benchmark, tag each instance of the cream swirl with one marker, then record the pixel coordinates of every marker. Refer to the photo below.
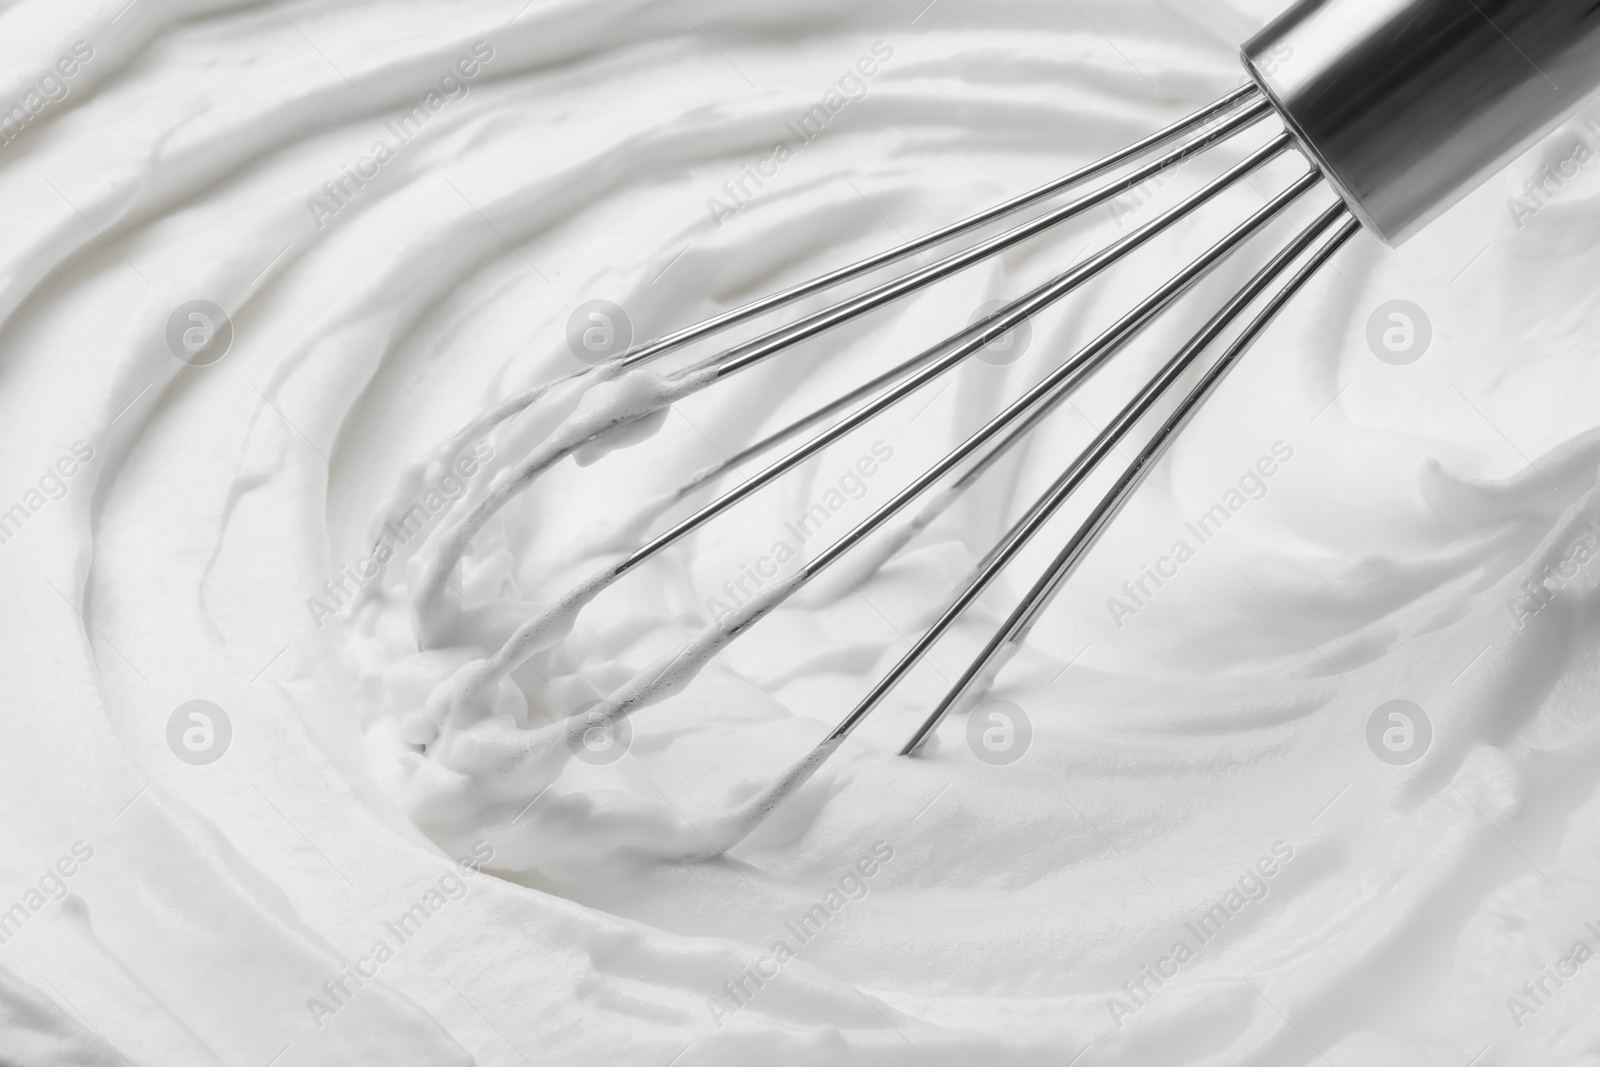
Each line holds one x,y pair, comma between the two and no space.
405,217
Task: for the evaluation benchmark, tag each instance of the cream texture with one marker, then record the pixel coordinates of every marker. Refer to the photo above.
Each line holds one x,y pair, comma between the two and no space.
381,871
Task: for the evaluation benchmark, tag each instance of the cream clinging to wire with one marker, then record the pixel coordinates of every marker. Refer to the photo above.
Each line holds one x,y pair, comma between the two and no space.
1400,107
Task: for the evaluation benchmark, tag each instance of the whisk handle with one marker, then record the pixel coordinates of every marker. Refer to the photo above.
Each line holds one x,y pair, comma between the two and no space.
1409,105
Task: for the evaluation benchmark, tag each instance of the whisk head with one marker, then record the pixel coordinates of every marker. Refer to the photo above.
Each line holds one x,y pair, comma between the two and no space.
477,712
1385,126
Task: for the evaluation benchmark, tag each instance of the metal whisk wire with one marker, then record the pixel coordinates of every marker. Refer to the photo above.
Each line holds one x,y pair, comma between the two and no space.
1246,94
1015,629
1243,110
909,377
966,461
1403,111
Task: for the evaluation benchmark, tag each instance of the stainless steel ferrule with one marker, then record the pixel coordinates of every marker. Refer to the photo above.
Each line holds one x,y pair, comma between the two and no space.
1409,105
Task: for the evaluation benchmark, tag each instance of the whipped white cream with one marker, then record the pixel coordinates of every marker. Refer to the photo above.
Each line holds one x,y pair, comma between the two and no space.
1218,846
